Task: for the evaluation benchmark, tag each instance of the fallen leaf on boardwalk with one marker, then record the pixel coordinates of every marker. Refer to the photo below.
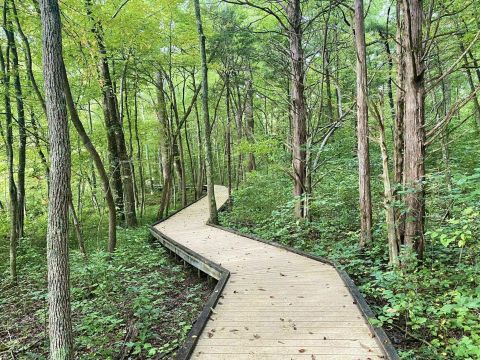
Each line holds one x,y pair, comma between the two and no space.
210,334
234,330
281,342
256,336
301,350
313,357
261,289
282,319
282,274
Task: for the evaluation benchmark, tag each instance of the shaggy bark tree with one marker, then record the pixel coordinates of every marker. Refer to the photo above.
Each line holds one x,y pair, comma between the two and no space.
414,166
298,106
362,128
398,147
206,119
60,325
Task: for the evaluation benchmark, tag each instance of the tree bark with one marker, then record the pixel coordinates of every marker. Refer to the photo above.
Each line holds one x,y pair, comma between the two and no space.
206,119
388,199
22,135
469,76
120,162
362,128
77,123
60,325
398,131
414,167
250,124
12,187
165,146
298,106
228,135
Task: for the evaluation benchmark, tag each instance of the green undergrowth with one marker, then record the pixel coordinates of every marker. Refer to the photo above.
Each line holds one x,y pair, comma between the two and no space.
431,310
138,304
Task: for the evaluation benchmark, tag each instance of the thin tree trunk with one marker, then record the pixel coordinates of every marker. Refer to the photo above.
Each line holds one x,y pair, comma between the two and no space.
208,144
362,128
60,325
200,168
469,76
22,135
249,122
165,146
122,173
139,151
228,134
388,199
77,123
12,188
149,166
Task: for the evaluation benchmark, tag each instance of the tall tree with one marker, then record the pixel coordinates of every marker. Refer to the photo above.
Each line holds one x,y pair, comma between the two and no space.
12,187
77,123
206,119
60,324
362,127
249,123
166,157
414,165
22,145
298,105
120,161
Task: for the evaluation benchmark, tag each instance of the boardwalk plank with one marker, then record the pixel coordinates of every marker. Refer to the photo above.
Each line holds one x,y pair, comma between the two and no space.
276,304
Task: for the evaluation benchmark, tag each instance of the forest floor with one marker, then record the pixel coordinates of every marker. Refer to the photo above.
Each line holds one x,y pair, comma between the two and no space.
140,303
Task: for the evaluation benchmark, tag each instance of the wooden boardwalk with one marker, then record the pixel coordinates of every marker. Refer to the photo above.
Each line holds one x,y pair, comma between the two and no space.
276,304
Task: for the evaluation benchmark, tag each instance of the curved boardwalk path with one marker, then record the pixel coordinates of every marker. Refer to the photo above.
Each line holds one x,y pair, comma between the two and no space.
277,305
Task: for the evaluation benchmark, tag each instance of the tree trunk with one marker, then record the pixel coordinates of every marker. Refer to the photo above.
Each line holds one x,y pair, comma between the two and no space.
388,199
398,130
414,167
12,188
228,135
200,168
77,123
165,146
139,150
60,325
120,162
22,135
298,106
469,76
362,128
208,143
249,122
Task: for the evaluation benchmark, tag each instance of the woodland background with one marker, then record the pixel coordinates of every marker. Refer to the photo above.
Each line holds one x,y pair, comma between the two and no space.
291,100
